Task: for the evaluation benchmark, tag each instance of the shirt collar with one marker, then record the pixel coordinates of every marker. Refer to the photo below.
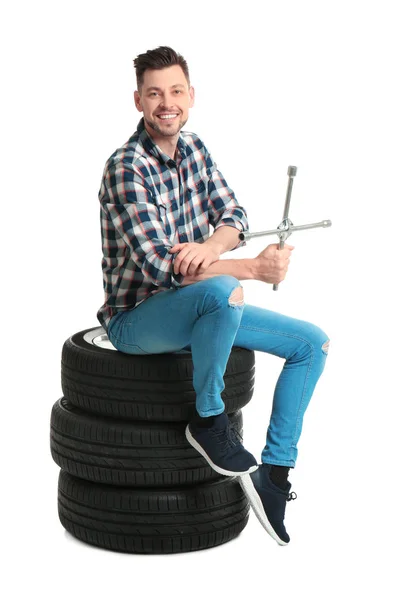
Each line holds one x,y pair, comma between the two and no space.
151,147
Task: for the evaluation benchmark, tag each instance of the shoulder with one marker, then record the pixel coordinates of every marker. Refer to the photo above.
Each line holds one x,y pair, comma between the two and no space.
129,155
194,142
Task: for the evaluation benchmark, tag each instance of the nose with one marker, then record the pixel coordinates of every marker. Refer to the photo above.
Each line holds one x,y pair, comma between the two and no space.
167,101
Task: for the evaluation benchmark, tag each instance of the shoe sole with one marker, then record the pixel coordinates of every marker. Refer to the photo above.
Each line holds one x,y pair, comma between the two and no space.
256,503
199,449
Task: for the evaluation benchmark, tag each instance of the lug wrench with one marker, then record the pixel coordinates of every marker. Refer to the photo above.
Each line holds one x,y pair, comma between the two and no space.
286,226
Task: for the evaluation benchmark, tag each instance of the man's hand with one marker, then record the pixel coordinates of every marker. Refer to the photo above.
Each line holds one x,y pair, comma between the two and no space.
193,256
271,265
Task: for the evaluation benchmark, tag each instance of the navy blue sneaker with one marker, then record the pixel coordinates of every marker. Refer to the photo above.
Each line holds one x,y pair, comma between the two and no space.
221,447
268,501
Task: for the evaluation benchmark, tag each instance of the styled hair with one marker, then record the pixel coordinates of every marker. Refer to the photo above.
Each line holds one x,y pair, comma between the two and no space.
160,58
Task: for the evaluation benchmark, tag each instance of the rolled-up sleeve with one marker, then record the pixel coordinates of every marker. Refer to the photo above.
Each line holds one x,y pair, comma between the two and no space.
223,206
135,217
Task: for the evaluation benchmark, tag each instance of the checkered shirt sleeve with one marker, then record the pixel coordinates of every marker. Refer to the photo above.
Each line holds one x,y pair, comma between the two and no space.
130,206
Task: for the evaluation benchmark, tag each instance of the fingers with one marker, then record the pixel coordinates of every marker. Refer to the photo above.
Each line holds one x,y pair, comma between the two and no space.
204,266
191,258
184,261
192,264
285,246
286,250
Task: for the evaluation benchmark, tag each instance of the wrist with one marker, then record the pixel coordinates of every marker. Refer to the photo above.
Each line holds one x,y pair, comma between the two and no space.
224,238
218,246
252,268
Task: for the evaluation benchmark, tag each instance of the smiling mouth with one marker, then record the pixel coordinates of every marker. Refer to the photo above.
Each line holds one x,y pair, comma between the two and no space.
170,117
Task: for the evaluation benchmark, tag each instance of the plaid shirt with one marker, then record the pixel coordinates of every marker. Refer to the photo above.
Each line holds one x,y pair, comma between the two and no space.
149,202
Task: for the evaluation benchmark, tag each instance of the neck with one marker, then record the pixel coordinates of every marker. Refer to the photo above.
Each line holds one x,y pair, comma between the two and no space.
168,144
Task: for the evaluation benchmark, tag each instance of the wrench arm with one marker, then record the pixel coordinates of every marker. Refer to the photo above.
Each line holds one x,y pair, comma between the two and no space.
291,174
280,232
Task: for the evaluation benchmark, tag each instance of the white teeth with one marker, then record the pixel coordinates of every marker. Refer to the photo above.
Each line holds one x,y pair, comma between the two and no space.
167,116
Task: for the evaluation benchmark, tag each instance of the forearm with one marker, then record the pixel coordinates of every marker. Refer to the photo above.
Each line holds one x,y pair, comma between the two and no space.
241,268
224,238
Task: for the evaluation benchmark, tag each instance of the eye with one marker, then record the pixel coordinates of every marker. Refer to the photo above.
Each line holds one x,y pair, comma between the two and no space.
178,91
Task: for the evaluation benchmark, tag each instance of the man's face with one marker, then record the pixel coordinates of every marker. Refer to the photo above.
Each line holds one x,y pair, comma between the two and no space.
165,92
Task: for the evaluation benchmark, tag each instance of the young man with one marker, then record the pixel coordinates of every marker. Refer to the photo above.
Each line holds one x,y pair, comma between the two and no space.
166,289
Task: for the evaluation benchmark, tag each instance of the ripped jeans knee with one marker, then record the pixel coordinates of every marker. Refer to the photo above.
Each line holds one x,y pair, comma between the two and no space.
325,347
237,297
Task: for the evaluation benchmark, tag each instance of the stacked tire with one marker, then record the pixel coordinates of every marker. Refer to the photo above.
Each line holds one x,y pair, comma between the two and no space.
129,480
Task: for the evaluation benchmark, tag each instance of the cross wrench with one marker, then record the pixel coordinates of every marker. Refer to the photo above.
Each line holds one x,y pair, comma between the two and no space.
286,226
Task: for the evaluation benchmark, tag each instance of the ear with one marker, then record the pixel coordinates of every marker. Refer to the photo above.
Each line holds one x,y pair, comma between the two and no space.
192,96
137,101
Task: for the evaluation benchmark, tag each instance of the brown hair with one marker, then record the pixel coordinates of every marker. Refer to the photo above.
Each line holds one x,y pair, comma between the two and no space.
160,58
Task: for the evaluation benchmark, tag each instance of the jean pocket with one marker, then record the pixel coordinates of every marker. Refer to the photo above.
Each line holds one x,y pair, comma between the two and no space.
113,322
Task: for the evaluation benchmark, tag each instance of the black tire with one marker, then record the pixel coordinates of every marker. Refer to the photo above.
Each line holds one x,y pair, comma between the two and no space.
126,453
156,387
152,521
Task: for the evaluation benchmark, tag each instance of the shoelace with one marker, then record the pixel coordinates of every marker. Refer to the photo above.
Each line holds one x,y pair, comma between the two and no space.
233,438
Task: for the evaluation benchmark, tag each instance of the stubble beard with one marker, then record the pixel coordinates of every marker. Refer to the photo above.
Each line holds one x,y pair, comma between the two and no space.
166,132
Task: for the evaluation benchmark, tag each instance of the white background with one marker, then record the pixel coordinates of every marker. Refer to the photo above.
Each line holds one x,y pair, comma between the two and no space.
310,84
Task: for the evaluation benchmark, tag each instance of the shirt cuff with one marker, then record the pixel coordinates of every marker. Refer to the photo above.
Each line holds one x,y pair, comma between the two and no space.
176,279
237,225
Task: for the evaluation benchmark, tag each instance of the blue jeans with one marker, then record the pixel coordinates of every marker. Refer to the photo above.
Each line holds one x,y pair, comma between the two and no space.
201,318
